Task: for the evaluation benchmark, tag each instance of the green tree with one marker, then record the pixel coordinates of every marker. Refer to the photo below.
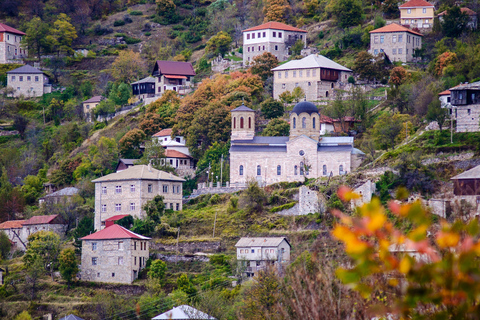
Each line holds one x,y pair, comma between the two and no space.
155,208
5,245
348,13
43,245
263,65
36,37
390,9
271,108
277,127
213,158
32,189
364,65
130,143
253,198
286,97
437,113
84,228
167,10
68,265
157,271
155,155
184,284
298,94
219,43
454,22
297,47
62,35
104,108
129,66
387,128
24,315
120,94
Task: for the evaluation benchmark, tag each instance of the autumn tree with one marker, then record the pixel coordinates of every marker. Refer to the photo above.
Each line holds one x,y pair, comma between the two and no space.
444,60
62,35
454,22
128,67
263,65
277,127
68,265
348,13
276,10
271,108
167,10
219,44
130,143
398,75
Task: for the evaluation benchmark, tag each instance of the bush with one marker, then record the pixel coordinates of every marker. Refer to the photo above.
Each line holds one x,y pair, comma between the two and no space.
283,207
118,23
136,13
148,34
130,40
127,19
99,30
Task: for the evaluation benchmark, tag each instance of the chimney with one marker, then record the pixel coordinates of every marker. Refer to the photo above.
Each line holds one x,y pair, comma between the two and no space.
150,166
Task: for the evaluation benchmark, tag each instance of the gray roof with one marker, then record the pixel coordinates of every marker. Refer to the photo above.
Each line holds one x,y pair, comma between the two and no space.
260,144
183,312
242,108
139,172
257,148
94,99
261,242
312,61
473,85
128,162
70,191
473,173
71,317
264,140
334,148
357,151
27,69
336,141
145,80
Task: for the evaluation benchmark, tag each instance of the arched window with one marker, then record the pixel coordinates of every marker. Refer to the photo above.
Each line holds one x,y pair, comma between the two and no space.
295,170
326,94
294,122
333,85
240,171
279,170
340,169
301,168
241,122
313,122
304,123
249,123
234,122
259,171
324,169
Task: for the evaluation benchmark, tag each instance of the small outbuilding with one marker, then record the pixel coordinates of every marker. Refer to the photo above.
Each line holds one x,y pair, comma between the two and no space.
71,317
184,312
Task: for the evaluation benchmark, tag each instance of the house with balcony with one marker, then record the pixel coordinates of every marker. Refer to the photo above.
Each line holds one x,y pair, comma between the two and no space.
465,101
28,81
177,154
11,50
144,88
173,75
396,41
417,14
274,37
255,254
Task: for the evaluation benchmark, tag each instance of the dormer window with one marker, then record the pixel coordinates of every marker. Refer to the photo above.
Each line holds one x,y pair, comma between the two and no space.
409,11
424,10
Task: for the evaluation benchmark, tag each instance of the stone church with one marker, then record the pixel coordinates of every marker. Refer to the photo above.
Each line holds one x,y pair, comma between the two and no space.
303,154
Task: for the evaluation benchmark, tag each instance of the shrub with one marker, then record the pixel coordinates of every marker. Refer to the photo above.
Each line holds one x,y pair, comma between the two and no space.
136,13
130,40
127,19
283,207
118,23
148,34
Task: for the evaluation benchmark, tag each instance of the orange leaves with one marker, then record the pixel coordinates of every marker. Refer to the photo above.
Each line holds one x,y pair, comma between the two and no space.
447,239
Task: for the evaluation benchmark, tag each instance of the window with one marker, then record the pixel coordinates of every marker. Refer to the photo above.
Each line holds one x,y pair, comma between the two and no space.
248,36
294,123
132,188
313,122
120,245
279,34
94,261
150,188
118,207
20,78
253,49
375,52
165,188
259,35
240,171
132,206
296,84
314,73
400,38
259,48
283,85
177,206
400,50
394,39
259,171
276,48
248,49
274,34
135,260
308,73
29,78
424,10
394,51
460,96
294,74
300,73
324,170
304,123
409,11
253,250
286,74
264,34
263,48
375,39
249,123
118,189
279,75
340,169
94,246
104,208
426,21
309,84
120,261
253,35
13,78
382,39
134,245
279,170
98,274
241,122
469,111
234,122
301,168
113,274
295,170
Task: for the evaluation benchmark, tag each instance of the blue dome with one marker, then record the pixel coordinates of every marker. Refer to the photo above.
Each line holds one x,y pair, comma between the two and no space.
305,106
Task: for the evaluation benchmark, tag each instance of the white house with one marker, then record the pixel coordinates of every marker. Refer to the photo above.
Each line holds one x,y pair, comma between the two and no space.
183,312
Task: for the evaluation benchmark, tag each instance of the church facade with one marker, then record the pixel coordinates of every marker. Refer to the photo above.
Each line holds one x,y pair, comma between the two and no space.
302,154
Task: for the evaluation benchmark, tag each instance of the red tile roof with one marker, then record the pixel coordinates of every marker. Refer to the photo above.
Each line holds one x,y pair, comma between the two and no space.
12,224
164,133
41,219
5,28
174,68
416,3
464,10
175,154
325,119
114,232
445,93
117,217
275,25
394,28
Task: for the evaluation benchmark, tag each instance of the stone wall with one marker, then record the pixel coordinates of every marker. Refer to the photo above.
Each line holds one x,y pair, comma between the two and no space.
309,201
28,85
388,45
117,261
9,45
365,190
189,247
468,118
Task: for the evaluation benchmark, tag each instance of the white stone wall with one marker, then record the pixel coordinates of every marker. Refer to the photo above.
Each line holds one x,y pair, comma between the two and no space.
20,235
407,45
28,85
307,201
138,197
117,263
468,118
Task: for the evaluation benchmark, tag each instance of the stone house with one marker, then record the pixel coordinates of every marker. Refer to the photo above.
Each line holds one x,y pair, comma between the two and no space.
11,50
60,196
303,154
465,101
144,88
317,75
28,81
417,14
19,230
472,17
396,41
114,254
274,37
466,187
89,105
127,191
255,254
173,75
183,312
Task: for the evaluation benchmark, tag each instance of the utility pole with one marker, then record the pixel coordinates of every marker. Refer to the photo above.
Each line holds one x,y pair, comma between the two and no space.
178,236
214,223
221,171
451,125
